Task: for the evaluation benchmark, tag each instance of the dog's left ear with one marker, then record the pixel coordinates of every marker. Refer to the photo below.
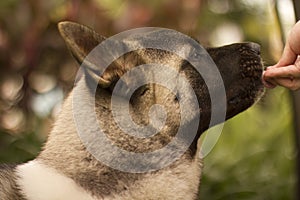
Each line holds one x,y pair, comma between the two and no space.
81,40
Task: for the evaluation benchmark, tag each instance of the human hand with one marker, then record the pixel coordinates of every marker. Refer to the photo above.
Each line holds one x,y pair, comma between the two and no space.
286,76
286,72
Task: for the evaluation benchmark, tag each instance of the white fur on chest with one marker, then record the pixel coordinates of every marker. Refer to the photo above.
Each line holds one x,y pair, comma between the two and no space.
39,182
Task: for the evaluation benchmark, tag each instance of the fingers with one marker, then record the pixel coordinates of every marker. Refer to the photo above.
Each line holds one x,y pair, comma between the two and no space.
268,82
288,77
292,47
288,57
292,84
282,72
286,72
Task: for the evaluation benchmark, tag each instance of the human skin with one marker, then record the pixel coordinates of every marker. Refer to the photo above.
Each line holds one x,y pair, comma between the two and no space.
286,72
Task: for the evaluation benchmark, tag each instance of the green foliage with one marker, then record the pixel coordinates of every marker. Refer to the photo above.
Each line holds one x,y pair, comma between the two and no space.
254,157
20,148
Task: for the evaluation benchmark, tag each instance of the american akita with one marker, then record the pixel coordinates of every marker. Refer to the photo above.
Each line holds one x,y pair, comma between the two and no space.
65,170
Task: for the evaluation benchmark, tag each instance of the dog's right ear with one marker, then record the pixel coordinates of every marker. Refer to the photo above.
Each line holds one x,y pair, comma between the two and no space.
81,40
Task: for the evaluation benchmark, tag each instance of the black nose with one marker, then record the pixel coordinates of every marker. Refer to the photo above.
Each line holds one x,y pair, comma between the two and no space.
254,47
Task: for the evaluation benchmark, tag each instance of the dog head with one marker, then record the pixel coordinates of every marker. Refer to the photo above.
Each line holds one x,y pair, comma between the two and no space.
156,106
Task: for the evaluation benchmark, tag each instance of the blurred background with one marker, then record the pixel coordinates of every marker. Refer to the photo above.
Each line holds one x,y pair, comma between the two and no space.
255,157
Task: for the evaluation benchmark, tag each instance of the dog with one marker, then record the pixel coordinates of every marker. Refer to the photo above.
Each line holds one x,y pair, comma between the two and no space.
66,168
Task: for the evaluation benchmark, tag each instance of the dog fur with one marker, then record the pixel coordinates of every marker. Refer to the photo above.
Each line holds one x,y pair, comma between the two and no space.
66,170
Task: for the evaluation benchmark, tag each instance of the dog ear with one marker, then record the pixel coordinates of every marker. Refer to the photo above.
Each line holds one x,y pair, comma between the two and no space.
81,40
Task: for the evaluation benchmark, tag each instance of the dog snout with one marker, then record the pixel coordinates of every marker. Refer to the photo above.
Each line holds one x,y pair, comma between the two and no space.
253,47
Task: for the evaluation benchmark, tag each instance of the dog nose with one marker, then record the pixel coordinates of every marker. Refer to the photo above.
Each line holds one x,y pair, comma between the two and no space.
254,47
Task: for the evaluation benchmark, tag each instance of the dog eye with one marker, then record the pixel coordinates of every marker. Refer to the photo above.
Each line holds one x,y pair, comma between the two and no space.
143,92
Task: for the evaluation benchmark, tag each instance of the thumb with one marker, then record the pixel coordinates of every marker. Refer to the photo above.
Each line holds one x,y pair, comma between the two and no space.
288,57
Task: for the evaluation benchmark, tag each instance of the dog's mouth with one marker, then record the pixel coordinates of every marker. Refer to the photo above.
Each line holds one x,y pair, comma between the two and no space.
241,98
